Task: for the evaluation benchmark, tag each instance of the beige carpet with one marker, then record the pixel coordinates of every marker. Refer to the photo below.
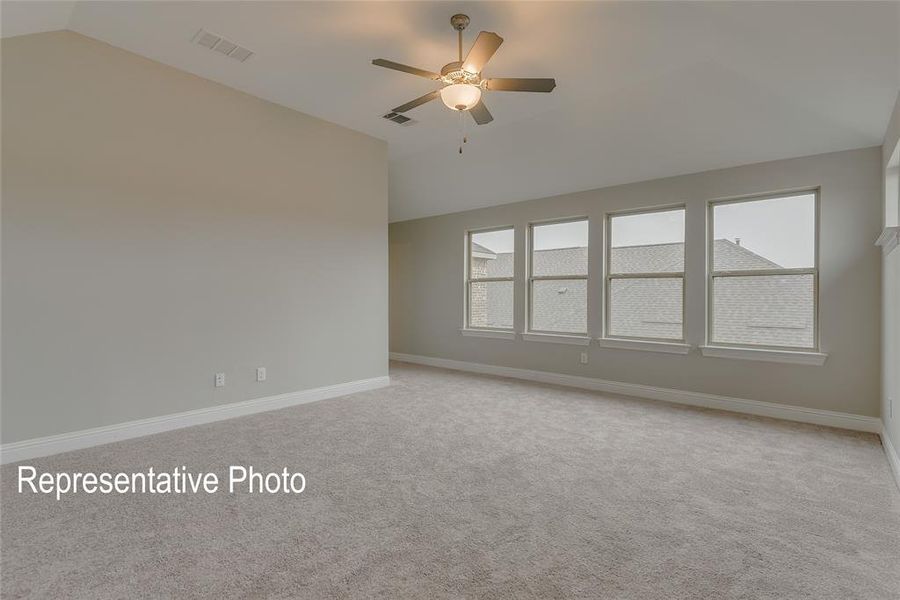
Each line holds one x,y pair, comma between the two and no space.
450,485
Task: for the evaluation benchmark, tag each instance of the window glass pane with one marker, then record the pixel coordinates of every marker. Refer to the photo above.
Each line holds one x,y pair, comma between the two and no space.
492,254
559,305
770,310
647,243
646,308
560,249
491,304
765,234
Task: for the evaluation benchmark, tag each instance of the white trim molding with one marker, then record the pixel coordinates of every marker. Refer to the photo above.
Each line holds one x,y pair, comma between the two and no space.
645,345
793,357
557,338
488,333
892,457
97,436
739,405
888,240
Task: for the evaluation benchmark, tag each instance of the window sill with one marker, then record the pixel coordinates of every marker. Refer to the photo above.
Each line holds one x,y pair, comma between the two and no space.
782,356
489,333
645,345
557,338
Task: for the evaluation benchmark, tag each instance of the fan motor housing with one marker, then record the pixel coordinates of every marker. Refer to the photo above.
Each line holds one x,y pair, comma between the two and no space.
454,73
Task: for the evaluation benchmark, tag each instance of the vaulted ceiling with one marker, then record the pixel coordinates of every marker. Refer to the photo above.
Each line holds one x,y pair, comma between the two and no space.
645,90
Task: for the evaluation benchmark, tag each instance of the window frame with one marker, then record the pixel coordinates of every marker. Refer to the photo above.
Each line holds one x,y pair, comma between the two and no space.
608,275
531,277
469,280
711,273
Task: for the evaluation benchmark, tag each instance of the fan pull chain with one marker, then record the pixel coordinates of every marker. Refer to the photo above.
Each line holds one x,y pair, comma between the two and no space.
462,131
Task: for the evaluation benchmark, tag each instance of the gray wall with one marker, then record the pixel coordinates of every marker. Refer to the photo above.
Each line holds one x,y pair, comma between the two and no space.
158,228
426,261
890,385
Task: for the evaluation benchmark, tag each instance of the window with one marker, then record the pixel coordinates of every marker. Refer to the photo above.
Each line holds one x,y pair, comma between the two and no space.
557,277
645,275
489,281
763,275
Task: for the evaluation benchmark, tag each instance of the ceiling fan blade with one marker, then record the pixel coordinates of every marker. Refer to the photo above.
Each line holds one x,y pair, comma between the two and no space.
417,102
481,114
482,50
512,84
389,64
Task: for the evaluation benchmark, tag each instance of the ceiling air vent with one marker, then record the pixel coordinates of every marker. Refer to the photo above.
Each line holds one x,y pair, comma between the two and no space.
213,41
399,119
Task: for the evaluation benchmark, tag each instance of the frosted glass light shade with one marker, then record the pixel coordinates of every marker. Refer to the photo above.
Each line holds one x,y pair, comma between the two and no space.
461,96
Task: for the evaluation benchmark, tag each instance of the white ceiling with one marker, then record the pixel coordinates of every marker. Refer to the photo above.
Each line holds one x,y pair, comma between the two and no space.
22,18
645,90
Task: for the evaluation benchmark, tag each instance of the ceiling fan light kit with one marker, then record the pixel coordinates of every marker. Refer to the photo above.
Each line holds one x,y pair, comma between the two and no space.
461,96
463,85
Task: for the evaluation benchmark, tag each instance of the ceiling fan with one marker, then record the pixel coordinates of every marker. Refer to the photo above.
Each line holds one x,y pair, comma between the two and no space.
462,83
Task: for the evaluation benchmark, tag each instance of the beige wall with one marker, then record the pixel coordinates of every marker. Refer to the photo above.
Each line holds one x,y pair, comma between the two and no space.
890,273
158,228
426,261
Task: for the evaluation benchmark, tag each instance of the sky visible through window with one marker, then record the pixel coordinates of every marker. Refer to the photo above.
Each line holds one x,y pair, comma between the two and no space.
663,227
779,229
497,242
561,235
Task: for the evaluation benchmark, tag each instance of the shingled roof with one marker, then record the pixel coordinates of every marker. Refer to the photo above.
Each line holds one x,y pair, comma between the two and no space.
479,249
650,258
773,310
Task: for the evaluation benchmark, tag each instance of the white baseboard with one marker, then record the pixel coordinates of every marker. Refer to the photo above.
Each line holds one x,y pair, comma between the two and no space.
739,405
893,458
86,438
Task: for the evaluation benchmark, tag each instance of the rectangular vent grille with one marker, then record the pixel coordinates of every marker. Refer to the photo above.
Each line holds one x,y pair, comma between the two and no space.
400,119
217,43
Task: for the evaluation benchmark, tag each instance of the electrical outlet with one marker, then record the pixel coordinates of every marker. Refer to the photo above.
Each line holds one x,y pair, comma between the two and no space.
220,379
260,373
584,358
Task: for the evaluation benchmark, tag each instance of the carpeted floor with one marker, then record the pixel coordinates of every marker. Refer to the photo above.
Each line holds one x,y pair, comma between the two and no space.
451,485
